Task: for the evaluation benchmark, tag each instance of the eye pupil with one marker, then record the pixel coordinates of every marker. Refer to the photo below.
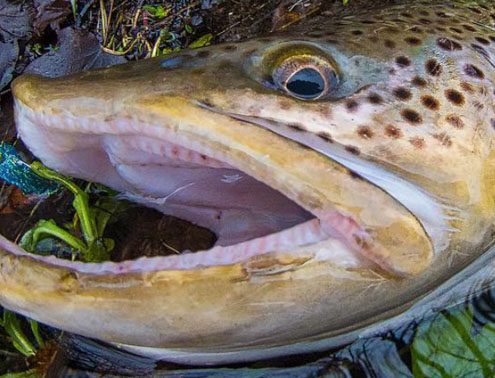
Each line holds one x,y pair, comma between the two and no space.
306,83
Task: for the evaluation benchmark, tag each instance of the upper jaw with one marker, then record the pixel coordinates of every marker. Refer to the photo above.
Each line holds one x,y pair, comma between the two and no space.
349,208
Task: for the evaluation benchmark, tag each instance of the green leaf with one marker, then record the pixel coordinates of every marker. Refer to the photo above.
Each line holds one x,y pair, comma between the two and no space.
205,40
12,326
156,11
446,347
188,28
49,227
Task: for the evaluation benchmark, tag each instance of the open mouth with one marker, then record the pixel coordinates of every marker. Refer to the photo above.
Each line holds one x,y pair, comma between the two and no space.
254,184
249,217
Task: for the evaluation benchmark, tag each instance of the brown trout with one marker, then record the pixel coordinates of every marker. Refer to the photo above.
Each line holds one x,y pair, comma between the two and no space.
346,166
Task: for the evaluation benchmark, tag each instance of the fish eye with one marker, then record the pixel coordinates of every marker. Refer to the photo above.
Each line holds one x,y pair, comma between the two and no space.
305,79
307,83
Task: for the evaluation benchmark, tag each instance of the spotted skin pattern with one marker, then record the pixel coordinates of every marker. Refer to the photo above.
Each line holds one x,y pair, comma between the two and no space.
435,102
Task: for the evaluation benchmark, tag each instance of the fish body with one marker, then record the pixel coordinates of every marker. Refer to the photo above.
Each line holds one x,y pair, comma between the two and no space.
346,166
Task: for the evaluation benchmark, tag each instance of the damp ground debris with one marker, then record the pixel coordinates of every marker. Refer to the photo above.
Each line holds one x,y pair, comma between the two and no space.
59,37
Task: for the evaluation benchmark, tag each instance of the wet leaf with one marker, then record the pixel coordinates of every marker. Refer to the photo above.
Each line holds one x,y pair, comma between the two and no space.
205,40
78,50
50,12
9,52
14,25
445,347
15,20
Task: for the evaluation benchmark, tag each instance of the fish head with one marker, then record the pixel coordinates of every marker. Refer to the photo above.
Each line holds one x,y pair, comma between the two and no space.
346,170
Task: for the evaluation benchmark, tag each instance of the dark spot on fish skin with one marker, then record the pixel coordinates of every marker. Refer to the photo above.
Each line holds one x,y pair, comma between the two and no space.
492,122
316,34
198,71
402,93
455,121
430,102
483,41
480,50
207,103
469,28
365,132
456,30
467,87
442,14
403,61
478,105
433,67
407,15
413,41
248,52
253,110
416,29
455,97
368,22
417,142
473,71
390,44
373,39
229,48
424,13
332,41
351,105
475,10
393,132
203,54
325,136
375,98
224,65
284,104
411,116
424,21
357,32
326,112
353,150
355,175
296,127
363,244
443,138
448,44
440,29
265,39
419,81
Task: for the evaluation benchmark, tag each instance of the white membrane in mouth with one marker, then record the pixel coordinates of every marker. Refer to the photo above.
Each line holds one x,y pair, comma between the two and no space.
292,240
